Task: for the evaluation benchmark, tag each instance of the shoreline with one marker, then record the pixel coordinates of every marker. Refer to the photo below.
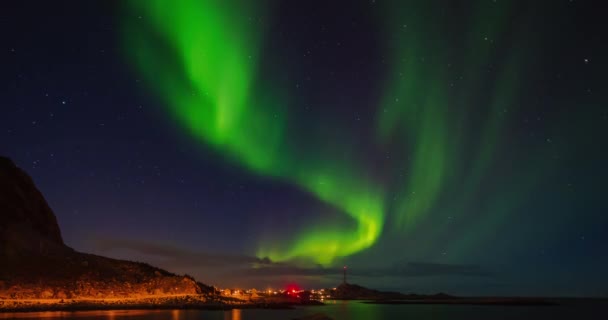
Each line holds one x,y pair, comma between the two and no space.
185,302
109,307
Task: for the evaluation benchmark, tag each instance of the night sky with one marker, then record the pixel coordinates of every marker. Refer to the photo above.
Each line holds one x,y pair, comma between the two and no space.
455,146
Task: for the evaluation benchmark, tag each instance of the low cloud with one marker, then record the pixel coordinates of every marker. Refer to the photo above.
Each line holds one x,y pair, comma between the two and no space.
250,266
411,269
180,257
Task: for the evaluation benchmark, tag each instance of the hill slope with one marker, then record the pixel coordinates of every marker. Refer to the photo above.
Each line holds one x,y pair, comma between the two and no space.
35,262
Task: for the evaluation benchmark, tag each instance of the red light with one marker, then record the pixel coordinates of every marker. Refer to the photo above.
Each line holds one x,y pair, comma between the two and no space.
292,288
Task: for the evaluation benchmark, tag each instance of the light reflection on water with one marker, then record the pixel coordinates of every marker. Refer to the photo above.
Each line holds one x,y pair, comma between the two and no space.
235,314
101,314
342,310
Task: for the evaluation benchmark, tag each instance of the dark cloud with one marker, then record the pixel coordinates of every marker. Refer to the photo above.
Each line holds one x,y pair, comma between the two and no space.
180,257
411,269
421,269
248,266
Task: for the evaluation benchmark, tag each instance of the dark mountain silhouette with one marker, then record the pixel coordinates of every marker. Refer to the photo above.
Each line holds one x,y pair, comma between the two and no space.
348,291
35,262
27,224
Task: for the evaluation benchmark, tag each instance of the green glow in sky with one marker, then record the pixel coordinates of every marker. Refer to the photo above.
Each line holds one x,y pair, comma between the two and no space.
435,79
201,57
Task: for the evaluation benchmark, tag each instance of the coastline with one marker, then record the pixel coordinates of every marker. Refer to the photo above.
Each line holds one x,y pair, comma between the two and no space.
200,302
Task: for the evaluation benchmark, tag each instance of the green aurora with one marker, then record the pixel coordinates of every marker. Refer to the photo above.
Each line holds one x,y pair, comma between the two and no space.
202,58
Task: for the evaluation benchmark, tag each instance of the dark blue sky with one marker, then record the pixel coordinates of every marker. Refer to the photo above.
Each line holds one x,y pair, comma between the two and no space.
124,180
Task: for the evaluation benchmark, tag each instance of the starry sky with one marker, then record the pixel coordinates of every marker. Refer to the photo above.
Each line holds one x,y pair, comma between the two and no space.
454,146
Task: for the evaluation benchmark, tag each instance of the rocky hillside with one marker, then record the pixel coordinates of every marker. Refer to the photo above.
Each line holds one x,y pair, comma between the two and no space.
35,262
27,224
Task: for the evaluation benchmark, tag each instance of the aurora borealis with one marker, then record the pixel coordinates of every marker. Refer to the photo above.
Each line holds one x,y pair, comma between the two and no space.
209,89
287,139
203,59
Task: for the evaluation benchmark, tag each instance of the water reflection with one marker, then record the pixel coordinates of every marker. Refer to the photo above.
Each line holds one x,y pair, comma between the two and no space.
234,314
96,314
338,310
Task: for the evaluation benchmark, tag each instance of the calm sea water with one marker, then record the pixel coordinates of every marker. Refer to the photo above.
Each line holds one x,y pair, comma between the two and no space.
347,310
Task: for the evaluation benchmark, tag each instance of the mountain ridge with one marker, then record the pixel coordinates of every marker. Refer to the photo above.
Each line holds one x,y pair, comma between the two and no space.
37,264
